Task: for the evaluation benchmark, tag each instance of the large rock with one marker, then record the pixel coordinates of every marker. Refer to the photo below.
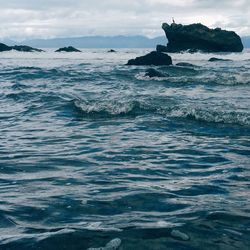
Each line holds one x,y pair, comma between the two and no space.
24,48
68,49
4,47
197,37
153,58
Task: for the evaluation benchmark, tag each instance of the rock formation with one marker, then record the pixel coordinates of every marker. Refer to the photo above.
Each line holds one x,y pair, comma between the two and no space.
4,47
153,58
23,48
112,51
154,73
197,37
68,49
161,48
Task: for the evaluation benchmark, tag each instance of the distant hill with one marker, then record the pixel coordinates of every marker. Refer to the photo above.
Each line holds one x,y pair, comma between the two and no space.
101,42
98,42
246,41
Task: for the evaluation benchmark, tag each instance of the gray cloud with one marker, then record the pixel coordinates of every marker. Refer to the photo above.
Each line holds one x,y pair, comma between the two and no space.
50,18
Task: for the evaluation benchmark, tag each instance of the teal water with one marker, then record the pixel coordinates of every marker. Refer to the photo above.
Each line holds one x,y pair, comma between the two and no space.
91,150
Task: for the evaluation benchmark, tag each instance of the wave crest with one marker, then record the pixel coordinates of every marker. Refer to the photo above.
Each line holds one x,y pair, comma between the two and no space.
167,109
112,107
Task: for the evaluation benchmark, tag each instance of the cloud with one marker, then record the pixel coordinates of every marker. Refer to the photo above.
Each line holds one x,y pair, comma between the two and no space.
58,18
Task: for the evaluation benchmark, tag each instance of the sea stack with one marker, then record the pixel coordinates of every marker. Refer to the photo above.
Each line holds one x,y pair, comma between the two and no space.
198,37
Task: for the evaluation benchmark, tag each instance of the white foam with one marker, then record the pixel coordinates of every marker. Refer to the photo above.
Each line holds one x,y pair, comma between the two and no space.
112,245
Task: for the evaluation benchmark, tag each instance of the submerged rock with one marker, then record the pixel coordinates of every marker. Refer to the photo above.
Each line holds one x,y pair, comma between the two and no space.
154,73
198,37
161,48
153,58
215,59
112,245
68,49
4,47
184,64
25,48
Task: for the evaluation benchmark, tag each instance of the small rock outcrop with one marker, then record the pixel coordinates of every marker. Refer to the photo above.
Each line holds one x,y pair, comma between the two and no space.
154,73
215,59
153,58
185,64
68,49
161,48
24,48
112,51
198,37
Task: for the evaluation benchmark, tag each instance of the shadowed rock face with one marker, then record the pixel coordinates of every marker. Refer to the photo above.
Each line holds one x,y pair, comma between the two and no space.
68,49
197,37
4,47
153,58
161,48
25,48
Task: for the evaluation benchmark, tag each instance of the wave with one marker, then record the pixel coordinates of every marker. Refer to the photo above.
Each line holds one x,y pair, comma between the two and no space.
113,108
202,77
167,109
6,239
213,116
33,73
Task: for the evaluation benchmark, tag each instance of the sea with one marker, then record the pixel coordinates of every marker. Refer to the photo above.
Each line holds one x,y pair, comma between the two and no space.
96,155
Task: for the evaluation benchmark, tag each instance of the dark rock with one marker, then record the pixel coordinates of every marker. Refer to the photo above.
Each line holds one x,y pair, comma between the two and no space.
153,58
185,64
161,48
154,73
4,47
68,49
112,51
214,59
197,37
24,48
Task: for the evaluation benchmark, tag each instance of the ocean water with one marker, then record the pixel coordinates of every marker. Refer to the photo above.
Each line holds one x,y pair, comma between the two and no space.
94,155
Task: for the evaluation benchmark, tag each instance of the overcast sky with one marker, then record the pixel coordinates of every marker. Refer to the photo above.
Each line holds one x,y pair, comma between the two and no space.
68,18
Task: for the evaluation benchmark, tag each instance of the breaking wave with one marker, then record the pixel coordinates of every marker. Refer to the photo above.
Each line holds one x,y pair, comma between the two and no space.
166,109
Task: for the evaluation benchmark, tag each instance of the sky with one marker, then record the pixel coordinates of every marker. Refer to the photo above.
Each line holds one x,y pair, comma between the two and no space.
26,19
